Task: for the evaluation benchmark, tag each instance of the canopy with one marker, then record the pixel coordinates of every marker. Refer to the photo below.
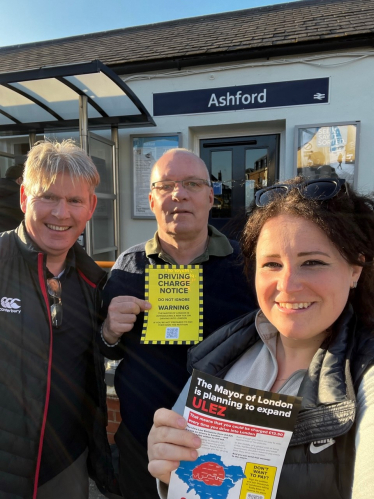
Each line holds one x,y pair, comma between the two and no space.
47,98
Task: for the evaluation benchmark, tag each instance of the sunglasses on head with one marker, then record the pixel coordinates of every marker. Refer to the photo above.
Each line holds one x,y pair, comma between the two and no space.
320,189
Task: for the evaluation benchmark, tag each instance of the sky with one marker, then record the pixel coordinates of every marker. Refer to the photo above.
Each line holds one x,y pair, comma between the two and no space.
27,21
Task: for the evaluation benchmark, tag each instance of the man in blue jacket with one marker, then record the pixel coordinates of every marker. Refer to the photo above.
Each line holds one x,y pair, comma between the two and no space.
52,392
151,376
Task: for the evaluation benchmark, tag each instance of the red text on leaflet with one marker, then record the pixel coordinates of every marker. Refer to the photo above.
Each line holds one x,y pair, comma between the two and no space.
228,427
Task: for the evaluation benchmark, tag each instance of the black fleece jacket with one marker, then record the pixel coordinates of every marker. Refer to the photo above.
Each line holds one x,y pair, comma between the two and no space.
25,364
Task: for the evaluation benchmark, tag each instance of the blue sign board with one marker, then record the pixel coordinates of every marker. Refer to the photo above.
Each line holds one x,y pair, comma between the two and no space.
258,96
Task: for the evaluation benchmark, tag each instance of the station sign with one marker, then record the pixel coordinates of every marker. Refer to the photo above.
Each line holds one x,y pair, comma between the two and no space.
258,96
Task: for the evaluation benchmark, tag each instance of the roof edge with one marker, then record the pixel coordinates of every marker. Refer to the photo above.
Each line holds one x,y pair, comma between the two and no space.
290,49
99,34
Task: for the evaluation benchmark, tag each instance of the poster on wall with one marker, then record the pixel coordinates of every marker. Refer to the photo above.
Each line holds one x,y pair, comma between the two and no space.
146,150
328,151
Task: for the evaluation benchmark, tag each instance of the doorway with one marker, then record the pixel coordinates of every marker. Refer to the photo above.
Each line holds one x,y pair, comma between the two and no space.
104,224
238,167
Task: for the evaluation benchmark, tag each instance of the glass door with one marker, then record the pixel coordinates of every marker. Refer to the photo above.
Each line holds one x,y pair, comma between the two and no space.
13,151
104,225
5,163
238,166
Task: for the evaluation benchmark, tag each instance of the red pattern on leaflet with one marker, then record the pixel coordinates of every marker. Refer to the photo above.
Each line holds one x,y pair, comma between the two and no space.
210,473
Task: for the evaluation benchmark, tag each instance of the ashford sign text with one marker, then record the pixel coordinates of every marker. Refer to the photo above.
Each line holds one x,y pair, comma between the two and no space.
239,97
262,95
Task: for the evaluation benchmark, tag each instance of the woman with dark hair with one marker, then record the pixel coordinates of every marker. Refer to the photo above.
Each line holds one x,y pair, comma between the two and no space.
309,246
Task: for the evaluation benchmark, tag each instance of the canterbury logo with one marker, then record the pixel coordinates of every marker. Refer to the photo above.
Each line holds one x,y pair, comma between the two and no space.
316,447
10,303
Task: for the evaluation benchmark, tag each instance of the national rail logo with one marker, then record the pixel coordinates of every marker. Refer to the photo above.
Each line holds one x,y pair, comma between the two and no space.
10,305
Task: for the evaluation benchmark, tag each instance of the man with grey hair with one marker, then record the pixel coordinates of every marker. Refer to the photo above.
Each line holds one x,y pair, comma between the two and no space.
51,371
151,376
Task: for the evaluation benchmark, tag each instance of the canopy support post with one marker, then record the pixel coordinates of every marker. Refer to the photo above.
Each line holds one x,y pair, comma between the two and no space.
32,139
83,122
114,132
83,134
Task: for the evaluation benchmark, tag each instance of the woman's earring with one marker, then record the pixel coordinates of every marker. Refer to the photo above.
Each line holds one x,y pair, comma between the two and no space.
354,285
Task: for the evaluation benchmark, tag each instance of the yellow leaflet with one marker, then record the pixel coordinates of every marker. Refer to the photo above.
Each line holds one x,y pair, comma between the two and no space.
176,295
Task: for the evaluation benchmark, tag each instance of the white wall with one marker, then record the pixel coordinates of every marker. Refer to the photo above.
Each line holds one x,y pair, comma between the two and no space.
351,99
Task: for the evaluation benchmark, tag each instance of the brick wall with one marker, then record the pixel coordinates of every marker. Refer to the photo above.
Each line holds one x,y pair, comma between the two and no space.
114,417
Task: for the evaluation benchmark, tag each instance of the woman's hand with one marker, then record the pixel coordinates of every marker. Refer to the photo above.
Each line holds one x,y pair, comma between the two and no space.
169,443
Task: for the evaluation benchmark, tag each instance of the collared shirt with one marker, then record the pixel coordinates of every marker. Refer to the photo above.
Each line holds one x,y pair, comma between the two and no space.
218,245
